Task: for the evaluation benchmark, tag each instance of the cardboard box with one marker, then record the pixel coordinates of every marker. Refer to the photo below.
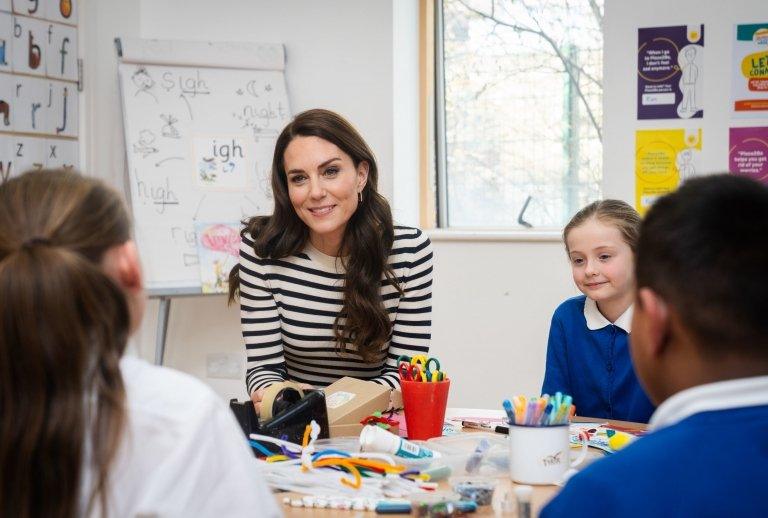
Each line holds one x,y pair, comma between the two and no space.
349,400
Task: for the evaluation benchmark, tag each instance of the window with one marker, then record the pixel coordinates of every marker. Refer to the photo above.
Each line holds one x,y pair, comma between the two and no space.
519,111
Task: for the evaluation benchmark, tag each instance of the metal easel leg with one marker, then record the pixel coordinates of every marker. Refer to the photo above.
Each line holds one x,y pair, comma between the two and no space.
162,328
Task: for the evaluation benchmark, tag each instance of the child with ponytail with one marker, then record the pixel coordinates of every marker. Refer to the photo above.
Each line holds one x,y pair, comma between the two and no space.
84,429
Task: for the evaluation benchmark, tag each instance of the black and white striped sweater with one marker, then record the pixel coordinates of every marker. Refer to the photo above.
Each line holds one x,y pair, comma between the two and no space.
288,307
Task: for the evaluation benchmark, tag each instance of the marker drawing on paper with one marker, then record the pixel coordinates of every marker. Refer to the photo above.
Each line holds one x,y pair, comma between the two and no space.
218,251
143,82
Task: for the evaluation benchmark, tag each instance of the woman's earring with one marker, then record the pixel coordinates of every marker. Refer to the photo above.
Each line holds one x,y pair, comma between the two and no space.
360,196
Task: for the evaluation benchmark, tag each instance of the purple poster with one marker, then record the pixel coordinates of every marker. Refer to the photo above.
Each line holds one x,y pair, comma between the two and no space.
669,72
748,155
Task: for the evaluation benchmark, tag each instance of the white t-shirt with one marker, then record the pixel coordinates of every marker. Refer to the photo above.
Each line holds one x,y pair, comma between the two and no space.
183,453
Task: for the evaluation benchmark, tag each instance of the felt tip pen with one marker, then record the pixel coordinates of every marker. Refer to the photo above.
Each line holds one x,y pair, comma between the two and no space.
393,507
558,399
476,424
544,420
486,426
405,507
502,429
530,410
508,409
561,413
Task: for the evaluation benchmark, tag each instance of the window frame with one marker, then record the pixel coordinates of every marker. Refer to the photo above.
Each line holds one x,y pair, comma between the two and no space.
434,177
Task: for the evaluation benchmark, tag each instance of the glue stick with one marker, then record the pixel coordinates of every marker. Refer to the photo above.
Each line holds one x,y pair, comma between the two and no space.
376,439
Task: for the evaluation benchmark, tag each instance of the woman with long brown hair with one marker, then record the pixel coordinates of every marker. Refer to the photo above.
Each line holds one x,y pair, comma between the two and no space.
84,430
328,286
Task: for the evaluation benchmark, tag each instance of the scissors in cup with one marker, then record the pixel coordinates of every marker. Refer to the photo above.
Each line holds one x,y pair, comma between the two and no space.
424,362
409,372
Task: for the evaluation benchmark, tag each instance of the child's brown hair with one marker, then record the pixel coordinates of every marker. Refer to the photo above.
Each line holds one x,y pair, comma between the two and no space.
64,325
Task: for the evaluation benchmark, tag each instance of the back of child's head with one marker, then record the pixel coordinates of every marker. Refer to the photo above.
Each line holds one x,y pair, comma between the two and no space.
703,249
63,327
609,212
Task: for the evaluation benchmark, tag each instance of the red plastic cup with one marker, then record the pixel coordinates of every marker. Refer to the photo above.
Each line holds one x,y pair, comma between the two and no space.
424,404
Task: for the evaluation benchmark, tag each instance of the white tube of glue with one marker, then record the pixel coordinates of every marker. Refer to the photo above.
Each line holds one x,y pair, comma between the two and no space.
376,439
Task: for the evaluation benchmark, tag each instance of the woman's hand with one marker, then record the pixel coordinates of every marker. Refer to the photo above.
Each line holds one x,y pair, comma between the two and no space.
258,396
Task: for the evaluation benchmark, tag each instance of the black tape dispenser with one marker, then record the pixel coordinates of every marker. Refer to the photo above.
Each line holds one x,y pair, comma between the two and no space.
286,410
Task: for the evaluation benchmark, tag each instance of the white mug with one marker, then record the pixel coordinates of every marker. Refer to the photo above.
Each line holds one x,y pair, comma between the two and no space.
541,454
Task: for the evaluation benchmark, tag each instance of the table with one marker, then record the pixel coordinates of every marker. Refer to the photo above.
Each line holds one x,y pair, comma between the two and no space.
541,494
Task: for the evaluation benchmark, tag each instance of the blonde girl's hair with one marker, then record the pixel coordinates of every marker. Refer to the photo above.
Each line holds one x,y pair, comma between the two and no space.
612,212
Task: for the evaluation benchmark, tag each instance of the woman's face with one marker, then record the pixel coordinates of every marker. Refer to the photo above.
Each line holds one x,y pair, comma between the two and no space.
323,186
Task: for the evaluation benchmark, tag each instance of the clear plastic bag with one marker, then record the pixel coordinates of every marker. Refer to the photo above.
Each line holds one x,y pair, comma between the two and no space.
474,453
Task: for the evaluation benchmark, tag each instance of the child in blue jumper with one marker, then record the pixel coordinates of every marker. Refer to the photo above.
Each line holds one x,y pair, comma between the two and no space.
700,347
588,353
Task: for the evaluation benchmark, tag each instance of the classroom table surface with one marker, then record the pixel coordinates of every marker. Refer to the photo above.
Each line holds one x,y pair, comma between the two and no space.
541,494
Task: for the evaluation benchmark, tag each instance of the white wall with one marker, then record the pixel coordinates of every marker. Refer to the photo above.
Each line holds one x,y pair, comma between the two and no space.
492,302
622,19
101,21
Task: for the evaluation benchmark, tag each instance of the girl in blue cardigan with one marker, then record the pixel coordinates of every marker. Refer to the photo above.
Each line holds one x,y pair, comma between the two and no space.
588,351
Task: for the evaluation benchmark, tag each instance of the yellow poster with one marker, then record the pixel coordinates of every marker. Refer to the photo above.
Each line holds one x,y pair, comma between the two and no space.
664,159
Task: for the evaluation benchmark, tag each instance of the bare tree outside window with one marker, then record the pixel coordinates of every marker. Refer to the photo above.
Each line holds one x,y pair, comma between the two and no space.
523,110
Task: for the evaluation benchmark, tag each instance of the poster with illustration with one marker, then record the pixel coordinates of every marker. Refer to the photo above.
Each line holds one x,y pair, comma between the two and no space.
6,39
30,104
669,72
62,11
221,162
748,153
26,153
664,159
218,249
61,153
750,70
28,48
6,162
61,52
7,102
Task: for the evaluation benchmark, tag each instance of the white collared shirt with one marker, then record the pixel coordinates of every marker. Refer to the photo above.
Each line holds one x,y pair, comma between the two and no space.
596,320
182,452
721,395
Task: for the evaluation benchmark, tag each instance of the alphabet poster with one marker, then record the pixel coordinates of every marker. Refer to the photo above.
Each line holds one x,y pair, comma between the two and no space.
748,153
750,70
199,142
6,37
669,72
39,124
663,160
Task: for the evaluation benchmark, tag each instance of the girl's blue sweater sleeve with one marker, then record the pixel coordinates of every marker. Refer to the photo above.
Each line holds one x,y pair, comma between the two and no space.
556,376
